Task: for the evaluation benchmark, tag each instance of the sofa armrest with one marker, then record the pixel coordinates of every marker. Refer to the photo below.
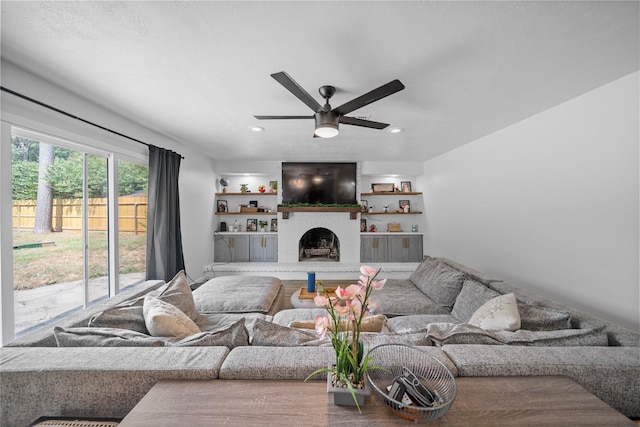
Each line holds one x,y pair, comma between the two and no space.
92,381
611,373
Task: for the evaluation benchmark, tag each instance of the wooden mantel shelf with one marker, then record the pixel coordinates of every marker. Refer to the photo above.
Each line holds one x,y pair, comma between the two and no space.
353,212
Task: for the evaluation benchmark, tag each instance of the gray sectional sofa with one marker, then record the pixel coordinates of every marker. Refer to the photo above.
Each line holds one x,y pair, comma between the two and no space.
100,362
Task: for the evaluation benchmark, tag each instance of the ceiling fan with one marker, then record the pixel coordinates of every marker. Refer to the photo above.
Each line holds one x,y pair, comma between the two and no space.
326,118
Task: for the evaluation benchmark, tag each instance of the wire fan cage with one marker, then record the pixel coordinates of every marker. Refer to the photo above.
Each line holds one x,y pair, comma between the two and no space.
393,362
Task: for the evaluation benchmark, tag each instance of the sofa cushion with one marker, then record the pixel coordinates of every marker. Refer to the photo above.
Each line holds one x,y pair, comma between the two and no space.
442,283
543,318
237,294
213,321
270,334
103,337
402,298
129,314
472,296
427,264
497,314
178,293
230,336
375,323
121,317
417,322
166,320
286,317
463,333
471,273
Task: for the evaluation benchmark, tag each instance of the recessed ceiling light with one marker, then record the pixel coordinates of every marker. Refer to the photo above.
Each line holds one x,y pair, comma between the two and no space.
256,128
395,130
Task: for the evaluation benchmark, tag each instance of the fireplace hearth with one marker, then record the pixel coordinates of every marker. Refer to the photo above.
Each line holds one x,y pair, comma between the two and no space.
319,244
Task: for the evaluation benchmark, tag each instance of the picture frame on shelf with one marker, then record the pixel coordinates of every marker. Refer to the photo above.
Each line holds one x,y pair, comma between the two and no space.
253,203
273,186
223,206
405,205
405,186
274,224
364,205
363,225
252,224
383,187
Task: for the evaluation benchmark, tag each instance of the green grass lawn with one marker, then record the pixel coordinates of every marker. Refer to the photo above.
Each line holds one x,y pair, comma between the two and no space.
62,261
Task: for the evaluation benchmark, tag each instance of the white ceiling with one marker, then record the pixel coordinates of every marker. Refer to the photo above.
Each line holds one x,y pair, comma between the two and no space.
197,72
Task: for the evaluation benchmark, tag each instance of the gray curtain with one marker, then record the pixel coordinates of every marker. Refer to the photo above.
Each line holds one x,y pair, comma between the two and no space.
164,239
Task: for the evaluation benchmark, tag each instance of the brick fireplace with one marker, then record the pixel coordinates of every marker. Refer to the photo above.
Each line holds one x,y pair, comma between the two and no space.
292,230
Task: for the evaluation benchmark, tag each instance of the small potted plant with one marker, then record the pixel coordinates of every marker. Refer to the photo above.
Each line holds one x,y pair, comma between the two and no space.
345,313
263,225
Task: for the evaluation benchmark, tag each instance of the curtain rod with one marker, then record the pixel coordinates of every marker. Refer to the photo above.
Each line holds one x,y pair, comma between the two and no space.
57,110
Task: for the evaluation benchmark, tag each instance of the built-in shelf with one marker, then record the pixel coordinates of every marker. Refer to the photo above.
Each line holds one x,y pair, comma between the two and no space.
393,213
246,213
247,194
353,212
392,193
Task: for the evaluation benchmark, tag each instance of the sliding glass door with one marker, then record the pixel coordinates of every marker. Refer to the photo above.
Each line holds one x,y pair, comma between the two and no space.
66,253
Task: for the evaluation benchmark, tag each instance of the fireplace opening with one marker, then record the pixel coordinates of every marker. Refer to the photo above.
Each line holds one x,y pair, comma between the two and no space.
319,244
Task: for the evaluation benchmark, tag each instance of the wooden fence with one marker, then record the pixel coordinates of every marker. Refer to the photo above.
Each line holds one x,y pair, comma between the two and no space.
67,214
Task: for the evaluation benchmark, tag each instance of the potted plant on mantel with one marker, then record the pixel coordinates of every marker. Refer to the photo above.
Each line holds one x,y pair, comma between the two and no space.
345,313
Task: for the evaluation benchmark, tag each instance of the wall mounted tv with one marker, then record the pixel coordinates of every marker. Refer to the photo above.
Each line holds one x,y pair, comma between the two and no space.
327,183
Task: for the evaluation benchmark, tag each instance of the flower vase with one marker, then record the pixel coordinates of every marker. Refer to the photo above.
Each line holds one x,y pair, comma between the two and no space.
342,396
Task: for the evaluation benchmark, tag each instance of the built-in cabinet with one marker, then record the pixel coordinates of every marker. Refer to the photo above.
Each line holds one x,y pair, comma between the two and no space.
373,248
379,247
231,247
404,248
246,247
263,248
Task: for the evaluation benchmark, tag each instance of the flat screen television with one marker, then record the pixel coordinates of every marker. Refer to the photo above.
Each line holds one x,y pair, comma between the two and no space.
315,182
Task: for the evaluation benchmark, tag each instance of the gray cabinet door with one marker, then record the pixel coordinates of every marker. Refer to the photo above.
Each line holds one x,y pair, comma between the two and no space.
264,248
231,248
405,248
373,248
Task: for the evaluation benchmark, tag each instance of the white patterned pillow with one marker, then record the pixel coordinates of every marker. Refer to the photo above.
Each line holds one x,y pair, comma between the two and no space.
497,314
165,320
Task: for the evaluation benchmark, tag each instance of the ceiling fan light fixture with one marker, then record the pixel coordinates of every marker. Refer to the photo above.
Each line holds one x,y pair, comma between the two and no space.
395,130
326,124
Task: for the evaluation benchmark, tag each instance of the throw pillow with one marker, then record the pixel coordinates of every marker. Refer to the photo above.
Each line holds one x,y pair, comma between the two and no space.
498,314
128,314
471,297
165,320
103,337
230,336
373,323
542,318
442,284
178,293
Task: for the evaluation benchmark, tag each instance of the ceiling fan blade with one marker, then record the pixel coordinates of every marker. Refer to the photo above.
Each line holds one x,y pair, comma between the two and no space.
366,99
292,86
282,117
363,123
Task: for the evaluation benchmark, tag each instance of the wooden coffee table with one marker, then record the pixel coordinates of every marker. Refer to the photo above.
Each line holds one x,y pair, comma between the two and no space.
486,401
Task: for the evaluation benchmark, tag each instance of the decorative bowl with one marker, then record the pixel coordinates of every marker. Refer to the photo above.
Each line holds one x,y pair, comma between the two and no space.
393,362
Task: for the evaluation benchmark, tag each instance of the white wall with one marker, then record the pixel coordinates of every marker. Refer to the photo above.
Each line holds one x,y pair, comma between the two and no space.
550,203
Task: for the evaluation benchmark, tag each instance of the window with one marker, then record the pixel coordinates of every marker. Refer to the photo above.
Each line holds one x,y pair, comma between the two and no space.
67,202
